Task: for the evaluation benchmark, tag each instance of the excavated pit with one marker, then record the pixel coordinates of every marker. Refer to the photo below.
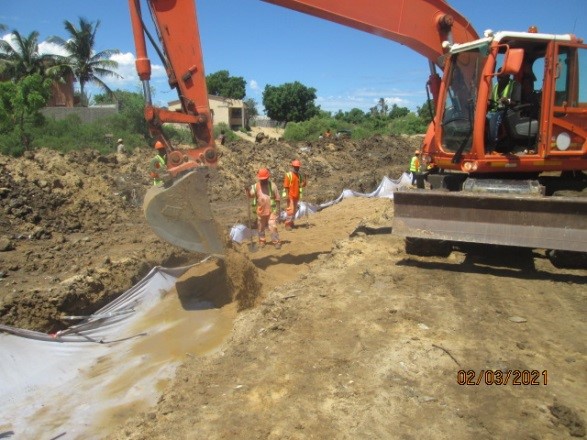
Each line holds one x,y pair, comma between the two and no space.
73,236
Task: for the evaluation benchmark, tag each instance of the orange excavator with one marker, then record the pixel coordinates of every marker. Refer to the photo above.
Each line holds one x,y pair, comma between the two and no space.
505,168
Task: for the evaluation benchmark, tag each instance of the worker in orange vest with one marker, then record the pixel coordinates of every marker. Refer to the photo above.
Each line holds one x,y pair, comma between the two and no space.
294,183
266,203
158,164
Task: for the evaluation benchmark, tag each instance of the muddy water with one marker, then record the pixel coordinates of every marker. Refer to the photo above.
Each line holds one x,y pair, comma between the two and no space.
176,329
117,381
112,382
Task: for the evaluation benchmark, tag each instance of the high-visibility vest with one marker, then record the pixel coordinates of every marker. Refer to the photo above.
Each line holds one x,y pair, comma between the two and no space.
256,187
505,93
156,164
414,164
301,187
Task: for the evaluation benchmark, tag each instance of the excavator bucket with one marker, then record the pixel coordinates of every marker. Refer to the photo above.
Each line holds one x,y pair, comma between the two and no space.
558,223
181,214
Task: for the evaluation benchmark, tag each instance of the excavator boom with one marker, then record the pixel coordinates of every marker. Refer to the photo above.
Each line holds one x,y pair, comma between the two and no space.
422,25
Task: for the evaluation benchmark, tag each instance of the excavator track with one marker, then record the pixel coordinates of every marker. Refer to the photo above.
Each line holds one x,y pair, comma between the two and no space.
557,223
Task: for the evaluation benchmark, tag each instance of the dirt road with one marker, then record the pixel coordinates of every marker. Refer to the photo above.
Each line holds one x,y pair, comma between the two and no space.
351,338
342,335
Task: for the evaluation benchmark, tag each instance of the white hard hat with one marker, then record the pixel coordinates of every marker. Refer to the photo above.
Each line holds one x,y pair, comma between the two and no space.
119,140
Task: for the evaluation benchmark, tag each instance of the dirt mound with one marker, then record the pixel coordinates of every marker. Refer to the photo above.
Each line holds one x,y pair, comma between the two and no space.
221,282
330,166
72,233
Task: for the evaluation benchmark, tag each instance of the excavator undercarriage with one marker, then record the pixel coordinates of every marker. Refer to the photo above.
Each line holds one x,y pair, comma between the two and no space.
434,221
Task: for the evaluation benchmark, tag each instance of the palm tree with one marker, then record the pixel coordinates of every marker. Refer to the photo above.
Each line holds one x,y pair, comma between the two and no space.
21,58
86,65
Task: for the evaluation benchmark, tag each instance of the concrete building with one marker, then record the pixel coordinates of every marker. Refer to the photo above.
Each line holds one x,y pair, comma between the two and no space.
229,111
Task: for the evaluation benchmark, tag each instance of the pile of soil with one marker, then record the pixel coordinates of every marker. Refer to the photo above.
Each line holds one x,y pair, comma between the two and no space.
72,233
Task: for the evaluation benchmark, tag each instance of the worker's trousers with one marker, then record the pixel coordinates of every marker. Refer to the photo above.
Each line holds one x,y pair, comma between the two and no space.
267,222
291,210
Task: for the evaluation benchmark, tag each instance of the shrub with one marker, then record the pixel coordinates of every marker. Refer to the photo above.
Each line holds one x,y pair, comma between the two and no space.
11,145
409,124
230,135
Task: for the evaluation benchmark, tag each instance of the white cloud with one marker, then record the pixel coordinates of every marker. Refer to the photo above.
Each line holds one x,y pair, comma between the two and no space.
130,79
8,38
51,48
126,69
401,102
253,85
126,58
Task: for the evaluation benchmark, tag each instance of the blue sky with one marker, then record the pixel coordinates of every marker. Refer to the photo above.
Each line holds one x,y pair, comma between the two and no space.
267,44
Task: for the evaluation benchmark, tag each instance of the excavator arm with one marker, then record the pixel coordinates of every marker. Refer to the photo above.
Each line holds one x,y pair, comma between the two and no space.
179,213
422,25
176,25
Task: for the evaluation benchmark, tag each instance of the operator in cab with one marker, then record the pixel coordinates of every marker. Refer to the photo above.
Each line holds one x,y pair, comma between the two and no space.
505,93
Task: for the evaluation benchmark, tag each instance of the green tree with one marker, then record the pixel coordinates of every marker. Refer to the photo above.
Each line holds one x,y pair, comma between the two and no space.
354,116
131,107
398,112
408,124
222,84
86,65
426,111
381,109
21,57
20,102
250,110
290,102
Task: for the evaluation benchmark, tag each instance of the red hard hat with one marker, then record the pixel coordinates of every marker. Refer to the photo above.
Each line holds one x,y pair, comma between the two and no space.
263,174
159,145
296,163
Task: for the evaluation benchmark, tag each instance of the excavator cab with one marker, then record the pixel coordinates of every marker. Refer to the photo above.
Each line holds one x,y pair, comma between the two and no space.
510,195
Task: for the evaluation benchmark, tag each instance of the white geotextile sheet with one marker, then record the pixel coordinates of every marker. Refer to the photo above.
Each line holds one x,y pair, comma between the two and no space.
48,383
386,188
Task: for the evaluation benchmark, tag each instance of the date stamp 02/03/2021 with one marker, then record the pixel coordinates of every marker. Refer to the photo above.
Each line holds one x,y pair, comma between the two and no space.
505,377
